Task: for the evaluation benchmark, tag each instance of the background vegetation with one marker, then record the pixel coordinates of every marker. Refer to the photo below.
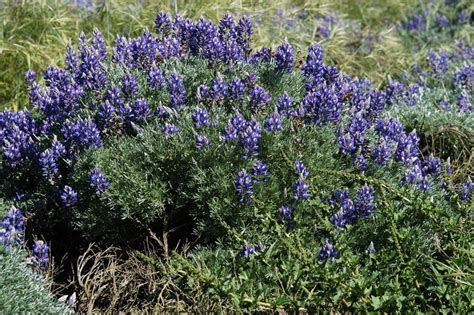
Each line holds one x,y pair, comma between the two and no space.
364,38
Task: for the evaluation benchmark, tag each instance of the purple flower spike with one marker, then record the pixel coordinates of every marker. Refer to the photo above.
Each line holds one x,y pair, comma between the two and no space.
68,197
12,229
259,171
244,186
202,142
40,255
301,169
284,58
328,251
286,213
273,123
301,189
98,181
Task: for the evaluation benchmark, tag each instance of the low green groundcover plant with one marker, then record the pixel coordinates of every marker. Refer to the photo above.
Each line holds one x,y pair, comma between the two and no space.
22,290
293,186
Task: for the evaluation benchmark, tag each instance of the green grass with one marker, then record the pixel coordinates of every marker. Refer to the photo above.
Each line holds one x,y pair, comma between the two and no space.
34,34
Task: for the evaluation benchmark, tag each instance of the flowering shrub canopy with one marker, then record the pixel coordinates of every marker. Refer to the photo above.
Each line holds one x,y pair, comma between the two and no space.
188,126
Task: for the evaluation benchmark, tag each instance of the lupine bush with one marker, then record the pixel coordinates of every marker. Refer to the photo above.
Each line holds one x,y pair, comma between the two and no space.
294,186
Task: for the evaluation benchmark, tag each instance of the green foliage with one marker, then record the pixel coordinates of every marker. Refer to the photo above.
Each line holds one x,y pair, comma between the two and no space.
423,260
21,291
446,132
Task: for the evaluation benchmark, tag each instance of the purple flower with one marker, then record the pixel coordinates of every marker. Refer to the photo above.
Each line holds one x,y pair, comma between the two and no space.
328,251
413,175
138,111
407,148
201,118
120,51
442,21
40,255
129,85
273,122
249,250
259,171
203,92
214,49
285,105
364,201
286,213
464,77
90,73
163,23
164,112
465,192
301,189
258,97
327,24
284,58
233,52
48,159
463,17
71,59
244,32
169,129
339,196
236,90
464,102
176,91
105,114
227,27
141,110
249,138
219,89
361,162
68,197
143,51
346,213
12,229
412,95
260,57
392,129
30,77
244,186
431,166
314,66
382,152
114,96
416,24
347,143
98,181
394,91
156,78
202,142
322,106
301,169
438,62
81,135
